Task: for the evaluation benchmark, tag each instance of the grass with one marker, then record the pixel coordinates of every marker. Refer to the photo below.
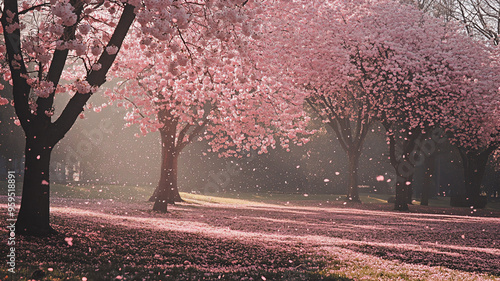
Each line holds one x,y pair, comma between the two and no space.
115,192
142,193
310,199
92,191
279,198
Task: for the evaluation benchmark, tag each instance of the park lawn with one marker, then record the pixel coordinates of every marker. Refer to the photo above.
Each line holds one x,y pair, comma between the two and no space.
99,250
142,193
315,199
234,237
92,191
217,238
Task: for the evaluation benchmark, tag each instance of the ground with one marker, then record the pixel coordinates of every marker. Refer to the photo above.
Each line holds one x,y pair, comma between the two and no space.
259,238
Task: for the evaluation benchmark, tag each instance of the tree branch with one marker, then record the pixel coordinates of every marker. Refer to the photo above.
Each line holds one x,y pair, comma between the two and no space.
95,78
17,67
32,8
58,62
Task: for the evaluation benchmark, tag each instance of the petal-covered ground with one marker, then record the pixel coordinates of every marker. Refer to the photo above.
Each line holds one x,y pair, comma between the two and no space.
236,239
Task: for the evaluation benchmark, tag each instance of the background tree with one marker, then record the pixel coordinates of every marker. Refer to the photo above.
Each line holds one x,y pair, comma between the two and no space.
429,79
363,61
480,18
303,48
417,69
384,61
475,131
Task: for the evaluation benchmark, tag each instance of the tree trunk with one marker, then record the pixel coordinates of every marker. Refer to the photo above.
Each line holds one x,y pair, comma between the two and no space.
402,169
33,217
409,189
166,185
175,188
428,180
167,192
474,163
426,186
353,191
404,173
174,196
401,201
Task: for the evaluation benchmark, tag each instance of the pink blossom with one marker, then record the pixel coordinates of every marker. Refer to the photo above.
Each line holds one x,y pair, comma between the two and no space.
65,12
96,67
96,50
3,101
44,89
82,87
111,50
69,240
84,28
12,27
56,29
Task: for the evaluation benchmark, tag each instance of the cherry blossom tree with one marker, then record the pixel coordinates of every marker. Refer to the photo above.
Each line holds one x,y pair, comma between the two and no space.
381,61
340,96
389,72
480,19
36,59
205,90
475,130
429,67
301,47
41,37
349,116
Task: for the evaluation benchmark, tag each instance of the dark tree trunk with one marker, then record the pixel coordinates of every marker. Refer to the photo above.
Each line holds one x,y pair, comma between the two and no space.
353,191
404,167
404,190
409,189
167,192
176,197
172,142
474,163
414,156
41,137
175,188
33,217
168,182
428,180
401,201
168,178
404,172
473,177
426,186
